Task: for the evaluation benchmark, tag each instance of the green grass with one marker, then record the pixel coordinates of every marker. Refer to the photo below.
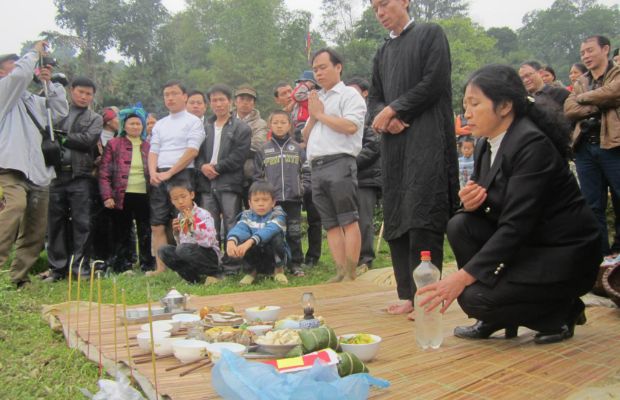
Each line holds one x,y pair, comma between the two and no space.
35,362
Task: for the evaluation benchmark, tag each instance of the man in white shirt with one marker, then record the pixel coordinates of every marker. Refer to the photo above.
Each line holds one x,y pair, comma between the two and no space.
175,142
334,138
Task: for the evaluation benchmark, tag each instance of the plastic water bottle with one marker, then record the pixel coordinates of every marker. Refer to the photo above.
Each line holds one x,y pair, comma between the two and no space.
428,332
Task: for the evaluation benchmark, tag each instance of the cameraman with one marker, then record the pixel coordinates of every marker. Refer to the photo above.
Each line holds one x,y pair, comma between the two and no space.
23,173
594,107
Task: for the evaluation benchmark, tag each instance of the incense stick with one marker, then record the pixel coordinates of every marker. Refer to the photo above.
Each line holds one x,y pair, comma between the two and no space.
148,300
99,345
90,304
114,322
78,297
69,301
126,332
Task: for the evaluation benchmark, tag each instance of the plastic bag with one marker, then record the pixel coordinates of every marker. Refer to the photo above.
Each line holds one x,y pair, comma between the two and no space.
234,378
120,389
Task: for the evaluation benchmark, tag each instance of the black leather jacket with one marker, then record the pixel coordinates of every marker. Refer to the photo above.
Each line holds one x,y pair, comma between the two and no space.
83,134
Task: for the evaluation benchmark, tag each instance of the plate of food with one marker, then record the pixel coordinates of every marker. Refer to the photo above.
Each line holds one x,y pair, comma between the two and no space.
278,343
224,318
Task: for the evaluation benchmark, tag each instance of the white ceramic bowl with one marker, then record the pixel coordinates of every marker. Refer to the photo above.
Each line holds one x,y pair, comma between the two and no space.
259,330
188,350
176,325
267,313
215,349
186,319
365,352
163,347
144,338
158,326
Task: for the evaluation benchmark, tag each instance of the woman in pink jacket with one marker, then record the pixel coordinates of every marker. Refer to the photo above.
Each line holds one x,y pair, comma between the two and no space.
123,182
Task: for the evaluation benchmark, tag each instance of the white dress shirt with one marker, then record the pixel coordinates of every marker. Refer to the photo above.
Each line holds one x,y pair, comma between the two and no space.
343,102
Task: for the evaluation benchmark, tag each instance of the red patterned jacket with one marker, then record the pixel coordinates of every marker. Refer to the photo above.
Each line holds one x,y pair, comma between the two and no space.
114,169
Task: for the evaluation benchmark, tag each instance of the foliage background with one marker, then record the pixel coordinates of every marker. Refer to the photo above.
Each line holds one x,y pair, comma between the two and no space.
262,42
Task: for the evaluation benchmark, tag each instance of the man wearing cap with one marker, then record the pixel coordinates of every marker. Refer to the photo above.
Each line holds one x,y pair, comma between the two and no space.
245,103
24,177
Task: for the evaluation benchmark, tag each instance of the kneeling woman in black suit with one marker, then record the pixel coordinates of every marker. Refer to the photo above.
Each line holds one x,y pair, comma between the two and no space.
526,243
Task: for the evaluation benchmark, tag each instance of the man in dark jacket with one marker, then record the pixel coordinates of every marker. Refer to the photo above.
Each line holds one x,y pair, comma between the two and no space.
411,107
368,182
220,160
69,214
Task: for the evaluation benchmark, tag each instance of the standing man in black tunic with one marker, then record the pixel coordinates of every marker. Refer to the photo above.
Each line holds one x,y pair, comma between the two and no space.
410,102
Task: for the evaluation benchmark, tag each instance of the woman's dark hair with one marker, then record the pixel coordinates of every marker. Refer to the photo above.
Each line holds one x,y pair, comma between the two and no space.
501,83
580,67
550,70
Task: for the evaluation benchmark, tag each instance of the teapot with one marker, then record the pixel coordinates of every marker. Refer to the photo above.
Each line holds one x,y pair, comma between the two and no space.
174,301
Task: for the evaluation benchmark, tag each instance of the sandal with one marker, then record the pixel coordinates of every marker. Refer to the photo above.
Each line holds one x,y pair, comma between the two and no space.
281,278
247,280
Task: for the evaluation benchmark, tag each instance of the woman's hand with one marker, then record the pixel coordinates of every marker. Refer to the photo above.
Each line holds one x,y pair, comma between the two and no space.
446,290
109,203
472,196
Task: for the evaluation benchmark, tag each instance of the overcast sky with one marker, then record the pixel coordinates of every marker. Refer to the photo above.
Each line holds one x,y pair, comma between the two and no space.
24,19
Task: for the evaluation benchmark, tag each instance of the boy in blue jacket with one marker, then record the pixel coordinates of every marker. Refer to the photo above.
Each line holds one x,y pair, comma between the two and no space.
258,236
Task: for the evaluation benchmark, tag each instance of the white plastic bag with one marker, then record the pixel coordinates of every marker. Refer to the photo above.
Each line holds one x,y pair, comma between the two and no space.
120,389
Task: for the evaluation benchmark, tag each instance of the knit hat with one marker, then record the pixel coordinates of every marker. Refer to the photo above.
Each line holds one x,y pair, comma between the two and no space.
108,115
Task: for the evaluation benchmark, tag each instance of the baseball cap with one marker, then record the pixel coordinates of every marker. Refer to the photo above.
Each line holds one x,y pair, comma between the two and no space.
7,57
247,90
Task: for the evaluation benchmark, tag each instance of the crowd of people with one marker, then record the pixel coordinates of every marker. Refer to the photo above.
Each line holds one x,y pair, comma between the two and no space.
215,195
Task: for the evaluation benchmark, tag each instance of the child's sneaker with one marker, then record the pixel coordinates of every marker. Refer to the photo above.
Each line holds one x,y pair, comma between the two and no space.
247,280
280,278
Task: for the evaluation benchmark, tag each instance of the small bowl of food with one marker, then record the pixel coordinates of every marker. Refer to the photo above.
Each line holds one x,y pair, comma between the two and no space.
158,326
144,338
365,346
263,313
259,330
188,350
215,349
186,320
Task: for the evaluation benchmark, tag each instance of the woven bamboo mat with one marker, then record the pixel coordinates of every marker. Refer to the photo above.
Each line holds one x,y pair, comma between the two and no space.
460,369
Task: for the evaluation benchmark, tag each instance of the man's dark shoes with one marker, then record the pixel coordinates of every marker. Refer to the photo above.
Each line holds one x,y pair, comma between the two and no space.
482,330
